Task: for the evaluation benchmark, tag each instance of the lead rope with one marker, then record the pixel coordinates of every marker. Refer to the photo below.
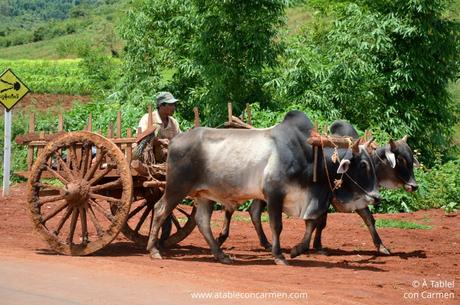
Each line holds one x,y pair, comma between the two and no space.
337,183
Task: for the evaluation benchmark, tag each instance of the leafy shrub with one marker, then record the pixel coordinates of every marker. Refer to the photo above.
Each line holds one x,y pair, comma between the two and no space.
101,71
382,65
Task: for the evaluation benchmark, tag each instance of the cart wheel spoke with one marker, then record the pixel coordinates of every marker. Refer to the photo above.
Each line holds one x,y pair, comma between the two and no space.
56,174
142,219
102,174
56,211
102,197
46,186
137,209
49,199
102,210
65,167
176,222
73,225
84,226
97,225
86,159
97,163
184,230
62,221
188,215
73,158
108,185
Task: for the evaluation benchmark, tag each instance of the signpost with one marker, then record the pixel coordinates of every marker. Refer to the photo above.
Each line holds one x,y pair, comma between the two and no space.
12,90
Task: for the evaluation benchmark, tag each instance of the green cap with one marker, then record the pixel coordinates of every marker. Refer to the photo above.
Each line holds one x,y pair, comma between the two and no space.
165,98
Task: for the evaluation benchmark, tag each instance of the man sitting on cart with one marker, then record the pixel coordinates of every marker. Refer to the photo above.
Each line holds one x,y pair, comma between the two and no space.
163,118
166,125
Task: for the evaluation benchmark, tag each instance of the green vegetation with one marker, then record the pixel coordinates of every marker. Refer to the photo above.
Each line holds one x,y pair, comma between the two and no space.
400,224
218,50
388,66
51,76
264,218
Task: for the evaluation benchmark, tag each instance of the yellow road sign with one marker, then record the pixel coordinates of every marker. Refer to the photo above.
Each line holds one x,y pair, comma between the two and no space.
12,89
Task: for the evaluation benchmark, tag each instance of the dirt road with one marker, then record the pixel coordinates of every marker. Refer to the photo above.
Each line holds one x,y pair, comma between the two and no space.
423,269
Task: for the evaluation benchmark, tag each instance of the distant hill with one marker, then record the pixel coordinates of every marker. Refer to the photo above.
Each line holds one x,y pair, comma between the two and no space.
42,9
55,28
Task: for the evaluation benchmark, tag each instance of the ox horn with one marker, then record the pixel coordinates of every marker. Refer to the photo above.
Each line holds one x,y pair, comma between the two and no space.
404,139
355,147
367,146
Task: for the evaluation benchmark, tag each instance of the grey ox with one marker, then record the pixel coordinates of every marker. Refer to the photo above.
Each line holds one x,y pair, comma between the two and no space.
394,167
231,166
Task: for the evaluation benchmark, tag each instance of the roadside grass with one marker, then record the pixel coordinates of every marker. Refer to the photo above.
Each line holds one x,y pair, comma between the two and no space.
264,218
400,224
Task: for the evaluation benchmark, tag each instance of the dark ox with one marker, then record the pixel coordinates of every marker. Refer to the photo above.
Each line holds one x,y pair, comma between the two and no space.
394,165
231,166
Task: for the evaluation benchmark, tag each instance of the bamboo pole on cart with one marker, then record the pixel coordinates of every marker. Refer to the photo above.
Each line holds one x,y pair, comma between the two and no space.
197,117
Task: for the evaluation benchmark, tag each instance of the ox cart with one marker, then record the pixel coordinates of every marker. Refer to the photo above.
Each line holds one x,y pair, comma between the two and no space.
84,188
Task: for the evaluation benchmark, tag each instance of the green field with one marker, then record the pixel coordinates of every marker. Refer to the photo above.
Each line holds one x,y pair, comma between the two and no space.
64,76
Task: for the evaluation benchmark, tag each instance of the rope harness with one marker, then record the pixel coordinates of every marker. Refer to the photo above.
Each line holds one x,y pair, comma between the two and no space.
335,158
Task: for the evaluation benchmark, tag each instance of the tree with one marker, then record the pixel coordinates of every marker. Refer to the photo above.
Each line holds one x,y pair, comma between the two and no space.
217,50
383,65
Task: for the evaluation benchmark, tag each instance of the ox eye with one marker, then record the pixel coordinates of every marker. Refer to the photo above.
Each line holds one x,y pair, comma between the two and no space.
402,160
365,165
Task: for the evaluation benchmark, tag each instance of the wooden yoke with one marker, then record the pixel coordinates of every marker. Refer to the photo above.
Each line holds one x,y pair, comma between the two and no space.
325,140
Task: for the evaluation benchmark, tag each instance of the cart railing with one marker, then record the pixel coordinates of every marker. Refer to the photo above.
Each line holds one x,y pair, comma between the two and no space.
36,140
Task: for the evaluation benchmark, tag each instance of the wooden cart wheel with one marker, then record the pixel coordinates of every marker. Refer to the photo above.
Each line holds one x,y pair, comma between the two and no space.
69,192
139,222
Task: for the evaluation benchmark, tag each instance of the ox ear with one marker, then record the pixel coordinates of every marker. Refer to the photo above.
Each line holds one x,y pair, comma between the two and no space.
343,166
355,147
391,158
392,145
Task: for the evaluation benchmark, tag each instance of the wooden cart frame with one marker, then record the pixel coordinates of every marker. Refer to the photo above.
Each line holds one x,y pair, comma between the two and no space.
84,188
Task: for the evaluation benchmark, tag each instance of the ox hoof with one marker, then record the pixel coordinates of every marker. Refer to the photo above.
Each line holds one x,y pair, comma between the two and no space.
155,254
322,251
296,251
267,246
281,261
224,258
382,250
